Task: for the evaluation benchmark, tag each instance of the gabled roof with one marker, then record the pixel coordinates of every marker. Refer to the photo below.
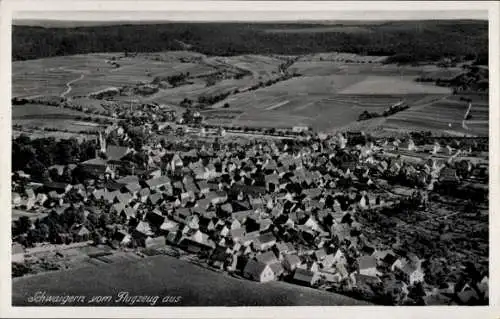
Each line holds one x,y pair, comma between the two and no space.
303,275
144,192
155,198
254,268
128,179
95,162
144,228
115,153
366,262
237,233
124,197
129,211
292,259
118,207
267,258
266,238
158,181
133,187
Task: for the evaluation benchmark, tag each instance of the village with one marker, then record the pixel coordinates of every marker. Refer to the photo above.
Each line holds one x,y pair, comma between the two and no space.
294,207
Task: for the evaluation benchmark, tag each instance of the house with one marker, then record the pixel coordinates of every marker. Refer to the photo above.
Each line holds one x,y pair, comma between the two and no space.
258,271
468,295
194,246
129,212
264,241
281,249
267,258
116,153
118,208
61,188
158,183
367,266
143,229
319,254
272,182
169,226
81,233
277,269
154,218
304,277
219,258
156,242
203,187
181,215
217,197
412,273
291,262
155,199
132,188
123,238
41,198
16,199
129,179
385,257
144,194
17,253
97,167
124,198
237,234
448,175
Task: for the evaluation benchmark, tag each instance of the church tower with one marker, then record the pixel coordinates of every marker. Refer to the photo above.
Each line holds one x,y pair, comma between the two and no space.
102,143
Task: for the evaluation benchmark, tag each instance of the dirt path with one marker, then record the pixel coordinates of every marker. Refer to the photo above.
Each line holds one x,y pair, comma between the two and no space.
464,125
68,85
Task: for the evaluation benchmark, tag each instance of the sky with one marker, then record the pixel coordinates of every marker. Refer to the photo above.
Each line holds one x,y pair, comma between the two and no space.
245,15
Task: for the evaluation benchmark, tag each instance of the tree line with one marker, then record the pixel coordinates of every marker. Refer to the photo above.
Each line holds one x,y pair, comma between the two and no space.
410,41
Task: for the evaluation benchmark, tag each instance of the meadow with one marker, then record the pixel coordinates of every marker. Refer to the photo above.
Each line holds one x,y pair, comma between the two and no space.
167,276
50,117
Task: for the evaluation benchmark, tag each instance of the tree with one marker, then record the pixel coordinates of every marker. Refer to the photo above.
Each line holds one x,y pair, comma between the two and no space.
22,225
95,237
226,105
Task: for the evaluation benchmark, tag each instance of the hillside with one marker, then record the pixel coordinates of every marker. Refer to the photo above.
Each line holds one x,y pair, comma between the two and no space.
167,276
415,40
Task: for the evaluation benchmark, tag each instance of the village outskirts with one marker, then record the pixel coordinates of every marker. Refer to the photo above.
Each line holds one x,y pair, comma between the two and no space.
328,211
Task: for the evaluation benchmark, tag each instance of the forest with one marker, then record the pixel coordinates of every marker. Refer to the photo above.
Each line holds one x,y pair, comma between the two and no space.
406,41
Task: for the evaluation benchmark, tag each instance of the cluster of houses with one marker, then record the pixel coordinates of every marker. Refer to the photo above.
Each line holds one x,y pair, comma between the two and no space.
264,211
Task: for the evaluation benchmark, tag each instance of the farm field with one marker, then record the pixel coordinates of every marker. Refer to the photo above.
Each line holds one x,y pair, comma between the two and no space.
43,116
332,91
446,114
167,276
323,102
49,76
375,85
261,67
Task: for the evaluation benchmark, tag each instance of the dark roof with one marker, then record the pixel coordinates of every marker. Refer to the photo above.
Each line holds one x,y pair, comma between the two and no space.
303,275
266,238
254,268
366,262
267,258
115,153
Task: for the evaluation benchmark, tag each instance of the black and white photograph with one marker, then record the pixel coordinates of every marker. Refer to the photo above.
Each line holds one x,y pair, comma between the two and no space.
249,159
